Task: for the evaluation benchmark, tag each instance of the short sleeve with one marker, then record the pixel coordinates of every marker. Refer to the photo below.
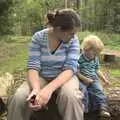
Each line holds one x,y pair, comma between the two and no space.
97,63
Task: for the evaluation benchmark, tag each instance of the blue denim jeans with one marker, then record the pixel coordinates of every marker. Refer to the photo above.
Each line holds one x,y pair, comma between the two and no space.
94,98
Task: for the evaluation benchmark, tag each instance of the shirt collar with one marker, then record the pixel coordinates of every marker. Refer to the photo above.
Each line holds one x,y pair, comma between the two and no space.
85,57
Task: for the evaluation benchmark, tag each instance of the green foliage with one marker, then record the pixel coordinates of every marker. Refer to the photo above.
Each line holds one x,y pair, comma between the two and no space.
101,15
4,19
24,17
28,15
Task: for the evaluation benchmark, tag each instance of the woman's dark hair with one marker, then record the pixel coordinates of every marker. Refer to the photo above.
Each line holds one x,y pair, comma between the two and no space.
50,17
66,19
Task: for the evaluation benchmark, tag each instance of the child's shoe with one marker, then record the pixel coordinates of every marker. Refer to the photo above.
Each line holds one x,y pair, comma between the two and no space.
104,113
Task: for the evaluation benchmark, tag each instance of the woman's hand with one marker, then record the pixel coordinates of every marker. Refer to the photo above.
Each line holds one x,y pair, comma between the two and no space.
32,100
106,83
34,92
44,96
38,99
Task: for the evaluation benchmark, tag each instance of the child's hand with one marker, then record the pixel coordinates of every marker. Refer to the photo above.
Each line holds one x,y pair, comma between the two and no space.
88,81
106,83
91,81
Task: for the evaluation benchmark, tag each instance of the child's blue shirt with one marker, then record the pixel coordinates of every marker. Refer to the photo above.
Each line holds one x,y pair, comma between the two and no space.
88,67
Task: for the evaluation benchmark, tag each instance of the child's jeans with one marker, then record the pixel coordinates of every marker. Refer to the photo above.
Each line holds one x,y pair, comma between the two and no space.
94,98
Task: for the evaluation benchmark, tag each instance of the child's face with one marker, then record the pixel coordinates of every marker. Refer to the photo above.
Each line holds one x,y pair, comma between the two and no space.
91,53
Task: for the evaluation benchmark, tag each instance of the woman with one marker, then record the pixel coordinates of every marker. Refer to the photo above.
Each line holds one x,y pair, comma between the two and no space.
52,65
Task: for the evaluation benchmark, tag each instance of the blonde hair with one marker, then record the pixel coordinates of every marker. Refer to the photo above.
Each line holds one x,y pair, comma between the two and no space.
92,42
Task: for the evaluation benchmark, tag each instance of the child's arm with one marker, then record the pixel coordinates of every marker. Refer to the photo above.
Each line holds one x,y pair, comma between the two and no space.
84,79
101,75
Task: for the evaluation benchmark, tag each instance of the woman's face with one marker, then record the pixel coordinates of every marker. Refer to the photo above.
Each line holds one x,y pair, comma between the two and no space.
65,36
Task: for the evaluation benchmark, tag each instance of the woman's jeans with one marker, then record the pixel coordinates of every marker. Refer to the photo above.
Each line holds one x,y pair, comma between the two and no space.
94,98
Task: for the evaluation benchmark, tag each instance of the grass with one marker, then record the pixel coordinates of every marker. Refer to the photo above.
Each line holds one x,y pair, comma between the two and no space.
114,75
13,55
115,72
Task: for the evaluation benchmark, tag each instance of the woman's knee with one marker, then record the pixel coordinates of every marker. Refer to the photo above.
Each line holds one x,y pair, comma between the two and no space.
19,99
66,99
72,95
71,90
21,93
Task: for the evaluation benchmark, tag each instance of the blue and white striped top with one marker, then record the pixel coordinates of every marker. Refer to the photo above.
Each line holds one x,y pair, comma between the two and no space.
51,65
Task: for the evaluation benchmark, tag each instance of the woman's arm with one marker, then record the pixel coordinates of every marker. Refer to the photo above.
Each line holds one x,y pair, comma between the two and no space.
33,79
60,80
34,64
